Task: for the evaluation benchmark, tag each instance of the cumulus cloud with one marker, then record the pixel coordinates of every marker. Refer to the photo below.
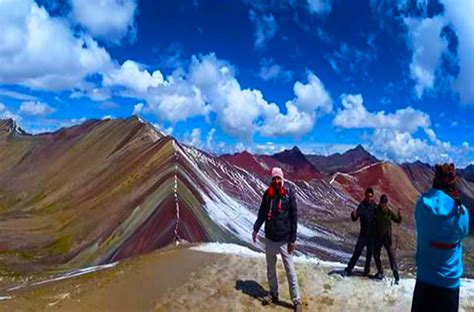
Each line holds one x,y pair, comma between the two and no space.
459,14
209,88
427,45
271,71
36,108
7,114
40,51
393,135
110,20
265,28
425,40
401,146
132,77
312,100
355,115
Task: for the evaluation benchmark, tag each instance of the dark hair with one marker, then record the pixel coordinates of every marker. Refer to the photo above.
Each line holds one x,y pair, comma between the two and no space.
445,180
369,190
384,199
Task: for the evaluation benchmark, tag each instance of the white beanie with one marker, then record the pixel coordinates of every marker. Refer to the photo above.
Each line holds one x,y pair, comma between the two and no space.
277,172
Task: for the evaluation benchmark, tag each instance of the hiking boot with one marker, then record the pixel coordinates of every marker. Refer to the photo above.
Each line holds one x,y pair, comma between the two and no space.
269,299
297,306
346,272
379,276
397,277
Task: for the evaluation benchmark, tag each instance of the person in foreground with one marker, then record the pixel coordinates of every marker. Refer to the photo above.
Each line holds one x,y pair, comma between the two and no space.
442,222
279,213
366,212
383,236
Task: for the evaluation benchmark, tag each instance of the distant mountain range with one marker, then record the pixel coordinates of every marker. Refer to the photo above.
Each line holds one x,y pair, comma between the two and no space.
110,189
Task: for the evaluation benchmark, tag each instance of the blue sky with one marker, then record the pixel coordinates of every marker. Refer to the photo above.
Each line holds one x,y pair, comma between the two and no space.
326,75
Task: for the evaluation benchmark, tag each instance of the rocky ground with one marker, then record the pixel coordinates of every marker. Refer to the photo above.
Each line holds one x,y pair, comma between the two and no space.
209,277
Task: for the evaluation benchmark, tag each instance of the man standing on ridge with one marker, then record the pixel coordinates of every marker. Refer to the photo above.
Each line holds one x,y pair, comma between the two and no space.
383,236
366,213
279,212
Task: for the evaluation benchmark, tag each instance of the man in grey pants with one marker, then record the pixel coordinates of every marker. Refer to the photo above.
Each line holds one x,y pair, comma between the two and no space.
279,212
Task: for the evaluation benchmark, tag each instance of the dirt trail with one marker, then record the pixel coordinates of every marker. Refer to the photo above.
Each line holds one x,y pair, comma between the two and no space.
188,280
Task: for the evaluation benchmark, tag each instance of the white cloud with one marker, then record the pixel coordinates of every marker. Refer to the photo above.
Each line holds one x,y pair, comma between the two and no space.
162,129
312,99
17,95
403,147
175,101
210,139
36,108
294,123
107,117
431,134
138,108
100,94
265,28
107,19
132,77
427,45
459,14
209,86
320,6
355,115
194,139
269,70
312,96
6,114
42,52
393,135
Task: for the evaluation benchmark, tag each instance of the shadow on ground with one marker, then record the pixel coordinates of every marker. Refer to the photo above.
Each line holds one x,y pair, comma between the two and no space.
255,290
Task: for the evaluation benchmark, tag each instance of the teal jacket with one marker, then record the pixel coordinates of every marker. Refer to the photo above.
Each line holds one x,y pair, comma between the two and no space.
440,229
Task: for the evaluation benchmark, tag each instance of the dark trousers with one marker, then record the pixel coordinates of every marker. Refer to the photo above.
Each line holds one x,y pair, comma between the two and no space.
385,241
364,240
434,299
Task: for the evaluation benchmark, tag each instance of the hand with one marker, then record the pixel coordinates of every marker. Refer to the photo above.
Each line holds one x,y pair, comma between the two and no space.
254,237
291,247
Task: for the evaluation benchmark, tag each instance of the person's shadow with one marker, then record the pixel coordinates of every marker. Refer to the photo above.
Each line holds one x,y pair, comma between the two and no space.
255,290
343,273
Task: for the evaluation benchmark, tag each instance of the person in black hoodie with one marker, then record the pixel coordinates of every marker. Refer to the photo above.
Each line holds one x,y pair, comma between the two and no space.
279,213
366,213
383,236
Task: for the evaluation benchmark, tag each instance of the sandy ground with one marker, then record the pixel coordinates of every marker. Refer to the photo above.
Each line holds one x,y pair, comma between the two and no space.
189,280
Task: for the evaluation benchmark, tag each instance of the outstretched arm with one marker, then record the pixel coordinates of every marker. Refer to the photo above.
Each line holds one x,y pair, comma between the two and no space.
355,214
397,218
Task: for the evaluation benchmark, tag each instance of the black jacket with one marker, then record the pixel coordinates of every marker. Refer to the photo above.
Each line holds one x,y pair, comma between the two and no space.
281,226
366,212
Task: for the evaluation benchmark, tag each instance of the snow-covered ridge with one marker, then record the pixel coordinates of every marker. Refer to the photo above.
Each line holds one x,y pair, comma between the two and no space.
242,251
467,285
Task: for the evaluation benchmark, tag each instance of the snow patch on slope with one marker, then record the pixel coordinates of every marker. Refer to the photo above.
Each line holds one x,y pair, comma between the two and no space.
70,274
